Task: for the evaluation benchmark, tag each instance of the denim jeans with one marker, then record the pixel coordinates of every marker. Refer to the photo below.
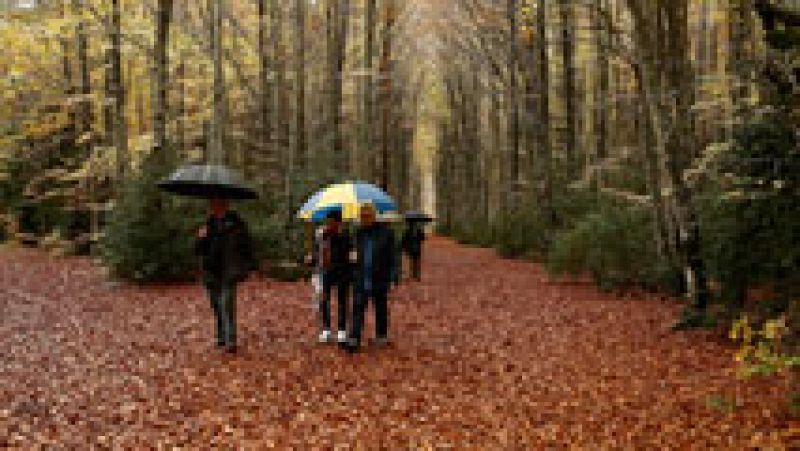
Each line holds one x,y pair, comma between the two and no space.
223,301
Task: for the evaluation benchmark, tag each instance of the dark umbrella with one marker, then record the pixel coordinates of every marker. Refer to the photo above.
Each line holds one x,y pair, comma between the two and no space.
417,216
207,181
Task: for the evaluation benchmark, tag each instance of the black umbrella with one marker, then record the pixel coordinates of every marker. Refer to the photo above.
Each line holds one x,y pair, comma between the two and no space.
207,181
417,216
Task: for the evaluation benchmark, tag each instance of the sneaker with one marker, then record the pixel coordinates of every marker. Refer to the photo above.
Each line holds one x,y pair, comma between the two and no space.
341,337
325,336
382,342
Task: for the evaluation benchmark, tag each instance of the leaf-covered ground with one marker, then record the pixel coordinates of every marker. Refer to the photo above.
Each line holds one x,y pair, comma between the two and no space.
487,354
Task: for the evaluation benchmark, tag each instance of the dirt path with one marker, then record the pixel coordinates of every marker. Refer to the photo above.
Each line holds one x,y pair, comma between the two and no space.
487,354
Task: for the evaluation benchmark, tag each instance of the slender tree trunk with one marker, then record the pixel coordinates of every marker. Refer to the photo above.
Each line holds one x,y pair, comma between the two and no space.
570,94
496,160
118,88
108,99
741,62
69,84
476,186
344,24
513,108
300,81
163,19
265,98
602,35
654,176
544,144
181,119
329,94
217,155
279,94
84,76
141,117
386,91
369,91
532,110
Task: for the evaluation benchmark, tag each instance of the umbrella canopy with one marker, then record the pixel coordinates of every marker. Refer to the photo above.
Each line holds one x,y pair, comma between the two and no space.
347,198
417,216
207,181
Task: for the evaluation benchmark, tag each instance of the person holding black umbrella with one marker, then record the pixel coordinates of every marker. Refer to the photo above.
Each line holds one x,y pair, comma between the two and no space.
225,247
412,240
412,246
223,243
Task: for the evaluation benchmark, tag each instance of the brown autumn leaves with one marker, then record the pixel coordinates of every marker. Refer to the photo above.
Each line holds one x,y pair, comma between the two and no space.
487,354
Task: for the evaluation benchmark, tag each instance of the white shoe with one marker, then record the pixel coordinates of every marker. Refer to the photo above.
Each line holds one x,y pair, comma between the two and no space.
325,336
341,337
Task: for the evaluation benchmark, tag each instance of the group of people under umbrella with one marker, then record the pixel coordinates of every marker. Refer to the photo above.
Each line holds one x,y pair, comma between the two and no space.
365,260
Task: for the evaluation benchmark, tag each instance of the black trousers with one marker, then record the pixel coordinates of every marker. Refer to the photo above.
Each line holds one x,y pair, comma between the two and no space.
342,285
379,298
223,301
415,262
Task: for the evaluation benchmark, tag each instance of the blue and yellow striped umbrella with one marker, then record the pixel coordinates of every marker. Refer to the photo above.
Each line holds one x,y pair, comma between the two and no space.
347,198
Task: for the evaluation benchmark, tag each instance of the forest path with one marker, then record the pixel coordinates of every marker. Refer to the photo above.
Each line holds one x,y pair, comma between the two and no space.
488,354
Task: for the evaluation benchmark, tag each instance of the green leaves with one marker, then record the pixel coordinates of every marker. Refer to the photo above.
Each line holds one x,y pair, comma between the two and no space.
614,244
149,235
761,353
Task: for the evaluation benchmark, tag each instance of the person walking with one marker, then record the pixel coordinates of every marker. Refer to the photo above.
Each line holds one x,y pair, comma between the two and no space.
226,252
374,260
412,247
333,257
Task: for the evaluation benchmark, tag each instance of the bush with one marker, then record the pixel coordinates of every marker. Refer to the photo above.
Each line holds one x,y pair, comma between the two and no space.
149,236
520,233
751,218
615,245
479,233
473,233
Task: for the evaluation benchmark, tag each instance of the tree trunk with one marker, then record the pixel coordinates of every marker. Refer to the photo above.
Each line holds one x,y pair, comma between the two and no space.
69,84
675,145
741,59
118,87
280,126
570,94
137,97
603,44
386,91
369,90
265,98
300,82
163,19
216,154
108,97
84,76
180,143
495,153
544,144
513,108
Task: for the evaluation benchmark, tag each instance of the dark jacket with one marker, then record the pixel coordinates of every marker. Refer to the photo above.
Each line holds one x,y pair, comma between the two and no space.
340,246
383,253
412,241
226,252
